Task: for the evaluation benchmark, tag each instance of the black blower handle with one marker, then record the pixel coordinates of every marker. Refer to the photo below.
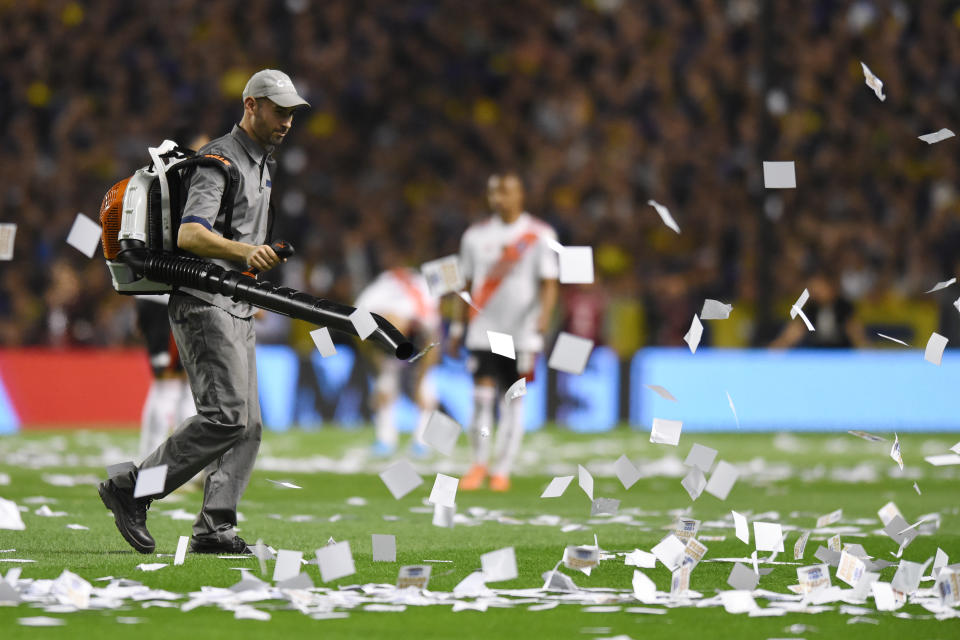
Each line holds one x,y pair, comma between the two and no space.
282,248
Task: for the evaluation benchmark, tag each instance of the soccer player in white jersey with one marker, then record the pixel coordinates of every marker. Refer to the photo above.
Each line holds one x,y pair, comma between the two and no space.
511,275
400,295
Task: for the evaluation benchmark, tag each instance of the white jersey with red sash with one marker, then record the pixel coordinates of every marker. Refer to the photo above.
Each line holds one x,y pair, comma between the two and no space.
401,293
506,263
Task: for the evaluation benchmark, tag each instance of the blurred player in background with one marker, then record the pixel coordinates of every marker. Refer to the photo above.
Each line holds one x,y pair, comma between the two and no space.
169,401
400,295
511,274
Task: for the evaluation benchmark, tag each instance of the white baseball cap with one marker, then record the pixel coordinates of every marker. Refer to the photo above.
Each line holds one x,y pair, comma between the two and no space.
276,85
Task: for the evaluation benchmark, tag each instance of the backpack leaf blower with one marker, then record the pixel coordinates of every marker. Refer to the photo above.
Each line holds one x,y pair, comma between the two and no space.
140,217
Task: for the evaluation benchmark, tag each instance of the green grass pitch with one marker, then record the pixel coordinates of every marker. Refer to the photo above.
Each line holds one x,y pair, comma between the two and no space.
798,476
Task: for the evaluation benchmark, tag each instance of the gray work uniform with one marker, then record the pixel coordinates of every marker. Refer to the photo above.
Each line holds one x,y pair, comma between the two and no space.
216,340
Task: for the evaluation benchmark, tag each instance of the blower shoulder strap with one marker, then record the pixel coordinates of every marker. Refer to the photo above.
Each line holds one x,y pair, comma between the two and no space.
232,175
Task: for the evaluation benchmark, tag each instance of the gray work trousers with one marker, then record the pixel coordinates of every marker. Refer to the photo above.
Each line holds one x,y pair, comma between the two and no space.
218,353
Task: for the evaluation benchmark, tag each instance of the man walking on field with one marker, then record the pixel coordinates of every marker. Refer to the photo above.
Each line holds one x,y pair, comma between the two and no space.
511,274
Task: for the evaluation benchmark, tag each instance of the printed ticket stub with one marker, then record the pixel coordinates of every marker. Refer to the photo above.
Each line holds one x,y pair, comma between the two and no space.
800,545
948,586
686,528
443,275
581,557
8,233
693,553
417,575
680,582
814,577
834,543
851,568
888,512
830,518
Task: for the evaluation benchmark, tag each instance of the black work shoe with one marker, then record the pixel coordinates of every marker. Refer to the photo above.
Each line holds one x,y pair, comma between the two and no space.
130,514
235,545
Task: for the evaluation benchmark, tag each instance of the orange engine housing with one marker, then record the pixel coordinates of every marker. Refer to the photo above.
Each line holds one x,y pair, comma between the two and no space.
110,211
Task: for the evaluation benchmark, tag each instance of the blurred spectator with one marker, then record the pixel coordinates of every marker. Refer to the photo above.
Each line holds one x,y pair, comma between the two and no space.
604,103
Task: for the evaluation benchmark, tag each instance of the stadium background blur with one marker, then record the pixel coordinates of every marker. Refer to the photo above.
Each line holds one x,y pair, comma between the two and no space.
600,104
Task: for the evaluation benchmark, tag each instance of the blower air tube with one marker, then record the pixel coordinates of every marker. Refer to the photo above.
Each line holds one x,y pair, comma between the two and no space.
199,274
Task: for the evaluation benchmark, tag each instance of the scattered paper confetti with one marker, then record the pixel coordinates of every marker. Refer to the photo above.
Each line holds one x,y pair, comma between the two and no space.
84,235
873,82
693,335
779,175
323,341
937,136
664,214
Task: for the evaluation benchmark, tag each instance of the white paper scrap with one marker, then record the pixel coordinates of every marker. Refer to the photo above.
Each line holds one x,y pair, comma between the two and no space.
517,390
895,452
850,569
466,297
660,391
444,516
585,480
626,472
443,275
798,305
41,621
722,480
873,82
442,432
644,588
84,235
77,527
869,437
740,524
181,553
892,339
694,333
883,597
499,565
444,491
664,214
941,285
640,558
738,601
800,546
335,561
937,136
830,518
666,431
150,482
502,344
736,418
715,310
363,323
743,578
779,175
768,536
938,461
669,551
576,265
321,338
401,478
935,346
287,565
284,484
416,575
151,566
556,487
570,353
694,482
701,457
8,233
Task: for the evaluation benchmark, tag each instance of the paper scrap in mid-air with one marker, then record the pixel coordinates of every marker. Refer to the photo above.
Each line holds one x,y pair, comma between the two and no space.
869,437
798,305
84,235
935,346
576,265
892,339
585,481
499,565
401,478
694,482
768,536
502,344
443,275
666,431
444,491
779,175
660,391
8,234
895,452
517,390
743,578
627,473
873,82
570,353
335,561
287,565
181,552
722,480
693,335
150,482
384,547
937,136
664,214
285,484
321,338
715,310
941,285
363,322
556,487
441,432
740,525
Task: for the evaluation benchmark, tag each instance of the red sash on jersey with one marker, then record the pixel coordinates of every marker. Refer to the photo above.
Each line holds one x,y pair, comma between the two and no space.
508,259
403,277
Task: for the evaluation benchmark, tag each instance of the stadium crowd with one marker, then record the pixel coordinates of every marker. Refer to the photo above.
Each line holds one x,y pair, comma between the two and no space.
600,104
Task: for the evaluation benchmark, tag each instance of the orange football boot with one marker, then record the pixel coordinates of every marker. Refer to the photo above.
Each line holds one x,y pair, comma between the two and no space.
474,478
499,483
